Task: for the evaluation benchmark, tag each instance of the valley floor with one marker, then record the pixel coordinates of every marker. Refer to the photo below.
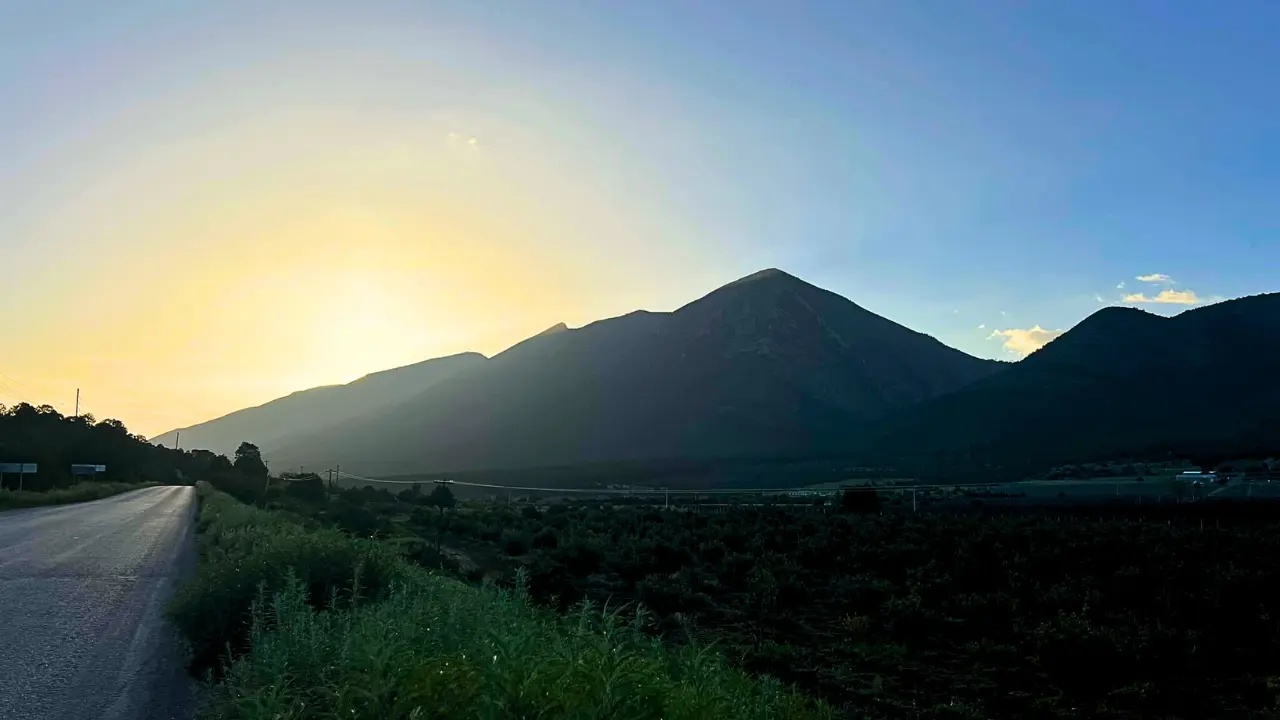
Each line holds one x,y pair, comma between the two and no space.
1110,610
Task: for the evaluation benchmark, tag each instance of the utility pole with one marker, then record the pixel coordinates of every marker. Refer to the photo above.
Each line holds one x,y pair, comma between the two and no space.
176,438
77,402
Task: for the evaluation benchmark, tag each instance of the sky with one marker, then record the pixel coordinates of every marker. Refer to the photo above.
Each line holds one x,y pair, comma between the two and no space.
204,206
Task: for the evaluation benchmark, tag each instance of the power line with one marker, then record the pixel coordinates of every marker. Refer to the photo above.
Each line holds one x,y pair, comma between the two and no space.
12,394
681,491
11,379
10,390
593,491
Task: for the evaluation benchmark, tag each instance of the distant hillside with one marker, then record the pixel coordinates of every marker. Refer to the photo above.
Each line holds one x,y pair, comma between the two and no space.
310,411
1122,383
766,366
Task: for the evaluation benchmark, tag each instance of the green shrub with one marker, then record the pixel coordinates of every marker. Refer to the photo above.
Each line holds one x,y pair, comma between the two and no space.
82,492
514,543
248,553
545,538
308,489
408,644
437,648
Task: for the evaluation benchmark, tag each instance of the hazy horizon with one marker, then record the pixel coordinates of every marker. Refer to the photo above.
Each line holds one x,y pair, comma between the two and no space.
205,208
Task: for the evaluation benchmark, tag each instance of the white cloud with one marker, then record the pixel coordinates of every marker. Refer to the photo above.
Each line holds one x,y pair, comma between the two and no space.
465,140
1023,342
1099,298
1120,286
982,326
1159,278
1166,297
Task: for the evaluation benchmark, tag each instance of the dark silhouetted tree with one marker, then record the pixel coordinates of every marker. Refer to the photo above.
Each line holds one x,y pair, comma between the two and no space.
441,497
249,461
307,487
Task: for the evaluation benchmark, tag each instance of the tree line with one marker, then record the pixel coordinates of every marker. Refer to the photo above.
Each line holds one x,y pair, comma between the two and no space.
54,442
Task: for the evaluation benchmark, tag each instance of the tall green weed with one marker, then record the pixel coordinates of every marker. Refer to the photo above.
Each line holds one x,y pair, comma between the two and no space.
390,641
247,553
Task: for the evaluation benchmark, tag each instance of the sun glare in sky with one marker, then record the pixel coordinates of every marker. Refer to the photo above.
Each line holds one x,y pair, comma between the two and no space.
206,207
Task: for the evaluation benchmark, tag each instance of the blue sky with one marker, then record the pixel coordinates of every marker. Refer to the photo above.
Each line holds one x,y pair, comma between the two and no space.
962,168
926,158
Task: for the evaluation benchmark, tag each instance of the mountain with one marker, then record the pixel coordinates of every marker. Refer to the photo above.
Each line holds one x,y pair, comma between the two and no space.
1123,383
766,366
309,411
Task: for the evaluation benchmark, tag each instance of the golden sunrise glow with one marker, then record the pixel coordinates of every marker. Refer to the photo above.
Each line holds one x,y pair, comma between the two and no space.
303,201
241,266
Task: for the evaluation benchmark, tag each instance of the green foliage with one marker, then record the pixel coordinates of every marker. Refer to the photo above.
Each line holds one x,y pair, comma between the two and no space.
249,462
247,553
246,489
42,435
399,642
441,497
83,492
309,488
1103,613
545,538
357,520
515,543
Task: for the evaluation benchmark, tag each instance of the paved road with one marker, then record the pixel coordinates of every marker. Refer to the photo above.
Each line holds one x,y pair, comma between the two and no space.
83,590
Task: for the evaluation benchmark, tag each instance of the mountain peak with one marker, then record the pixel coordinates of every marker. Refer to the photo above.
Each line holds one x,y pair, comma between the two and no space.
768,274
1117,319
770,283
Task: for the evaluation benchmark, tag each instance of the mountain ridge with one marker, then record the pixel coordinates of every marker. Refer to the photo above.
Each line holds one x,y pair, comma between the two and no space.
769,366
311,409
767,363
1121,383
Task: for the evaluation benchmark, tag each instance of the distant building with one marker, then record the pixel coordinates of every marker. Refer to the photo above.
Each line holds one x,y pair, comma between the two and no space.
1197,477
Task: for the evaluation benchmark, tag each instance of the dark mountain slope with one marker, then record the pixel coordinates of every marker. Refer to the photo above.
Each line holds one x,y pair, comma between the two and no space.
1122,383
825,344
309,411
765,366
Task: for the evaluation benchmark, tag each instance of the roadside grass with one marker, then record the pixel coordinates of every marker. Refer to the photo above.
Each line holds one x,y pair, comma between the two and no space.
247,554
82,492
320,625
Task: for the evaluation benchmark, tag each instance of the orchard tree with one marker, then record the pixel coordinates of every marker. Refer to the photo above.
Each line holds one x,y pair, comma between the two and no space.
441,497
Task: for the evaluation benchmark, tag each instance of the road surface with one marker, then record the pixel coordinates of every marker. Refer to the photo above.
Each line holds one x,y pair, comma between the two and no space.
83,589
